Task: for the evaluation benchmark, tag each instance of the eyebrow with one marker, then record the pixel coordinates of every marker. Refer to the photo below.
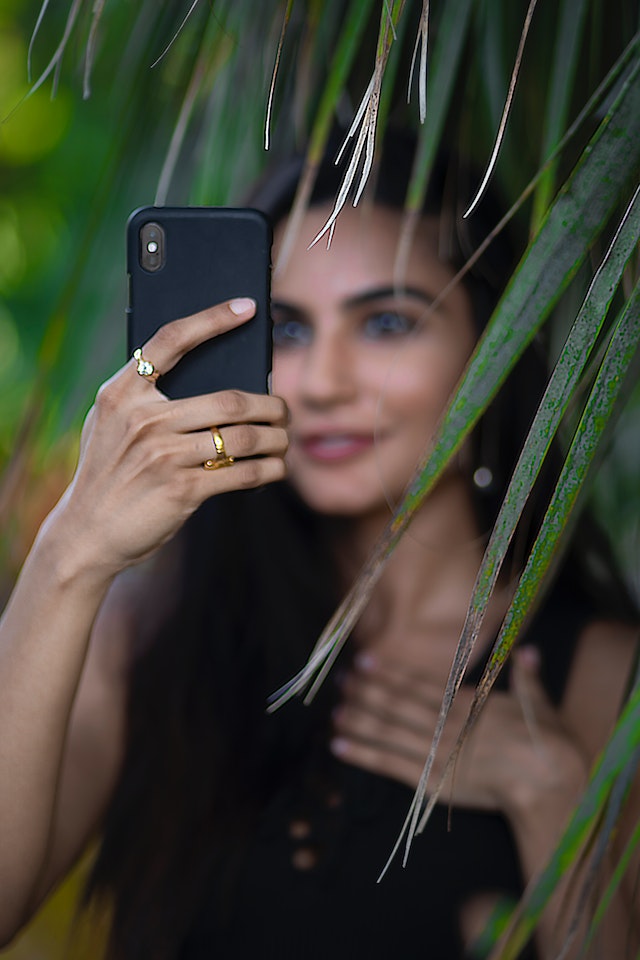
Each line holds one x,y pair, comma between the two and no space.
376,293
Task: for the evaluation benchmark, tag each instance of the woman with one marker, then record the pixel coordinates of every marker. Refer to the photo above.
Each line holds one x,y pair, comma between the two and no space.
133,696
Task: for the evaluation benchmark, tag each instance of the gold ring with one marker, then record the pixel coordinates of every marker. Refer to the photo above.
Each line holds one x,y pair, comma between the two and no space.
144,367
221,459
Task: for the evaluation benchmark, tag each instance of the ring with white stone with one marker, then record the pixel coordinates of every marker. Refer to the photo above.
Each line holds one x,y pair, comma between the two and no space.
144,367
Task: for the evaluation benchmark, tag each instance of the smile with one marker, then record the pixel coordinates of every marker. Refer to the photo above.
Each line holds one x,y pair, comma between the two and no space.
334,447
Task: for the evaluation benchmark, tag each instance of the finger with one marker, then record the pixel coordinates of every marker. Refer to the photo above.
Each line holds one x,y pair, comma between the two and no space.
226,407
393,729
527,688
391,703
244,440
173,340
241,475
399,679
525,675
378,759
399,672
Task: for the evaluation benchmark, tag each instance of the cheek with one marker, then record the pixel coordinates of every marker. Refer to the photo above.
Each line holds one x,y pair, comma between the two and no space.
419,386
285,375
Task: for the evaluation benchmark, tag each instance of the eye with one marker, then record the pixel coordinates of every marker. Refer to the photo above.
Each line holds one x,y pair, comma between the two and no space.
387,323
291,333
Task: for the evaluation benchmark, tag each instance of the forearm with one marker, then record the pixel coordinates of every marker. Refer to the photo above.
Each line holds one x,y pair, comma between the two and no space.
44,635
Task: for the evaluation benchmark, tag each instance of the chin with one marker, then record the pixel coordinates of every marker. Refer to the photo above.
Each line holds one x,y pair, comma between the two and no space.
349,504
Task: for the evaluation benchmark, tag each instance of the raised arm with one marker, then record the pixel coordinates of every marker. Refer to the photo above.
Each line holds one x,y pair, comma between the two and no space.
140,475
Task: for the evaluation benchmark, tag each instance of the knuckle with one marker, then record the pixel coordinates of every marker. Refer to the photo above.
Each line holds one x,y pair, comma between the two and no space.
89,421
274,469
133,427
279,470
107,398
169,337
280,409
283,440
246,438
249,474
231,404
162,458
183,491
139,424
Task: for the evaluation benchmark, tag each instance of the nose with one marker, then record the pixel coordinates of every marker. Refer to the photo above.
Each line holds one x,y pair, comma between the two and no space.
329,371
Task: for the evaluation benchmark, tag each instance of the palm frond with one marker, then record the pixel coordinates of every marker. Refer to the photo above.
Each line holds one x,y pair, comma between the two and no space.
354,26
34,34
561,513
272,86
210,87
505,113
444,69
56,59
422,45
98,10
571,23
573,222
176,34
619,756
560,389
364,122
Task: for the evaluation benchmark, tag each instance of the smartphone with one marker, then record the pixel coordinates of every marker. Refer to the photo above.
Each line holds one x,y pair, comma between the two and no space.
181,260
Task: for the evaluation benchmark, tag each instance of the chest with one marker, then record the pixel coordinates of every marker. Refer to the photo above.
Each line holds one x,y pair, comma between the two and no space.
317,894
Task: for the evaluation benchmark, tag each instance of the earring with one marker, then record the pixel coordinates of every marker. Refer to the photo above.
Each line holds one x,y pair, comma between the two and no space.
482,478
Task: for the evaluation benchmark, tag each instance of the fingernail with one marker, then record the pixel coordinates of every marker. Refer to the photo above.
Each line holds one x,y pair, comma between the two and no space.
242,305
338,746
529,657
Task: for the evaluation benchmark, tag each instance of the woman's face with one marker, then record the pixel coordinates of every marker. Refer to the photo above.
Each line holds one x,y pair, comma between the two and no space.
366,372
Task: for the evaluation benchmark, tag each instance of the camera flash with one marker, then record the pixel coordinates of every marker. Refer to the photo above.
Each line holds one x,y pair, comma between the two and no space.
151,252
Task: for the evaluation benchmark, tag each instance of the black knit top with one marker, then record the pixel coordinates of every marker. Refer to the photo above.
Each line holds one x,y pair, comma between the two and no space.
308,885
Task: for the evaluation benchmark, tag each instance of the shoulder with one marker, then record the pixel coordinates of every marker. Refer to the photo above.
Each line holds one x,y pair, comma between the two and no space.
600,671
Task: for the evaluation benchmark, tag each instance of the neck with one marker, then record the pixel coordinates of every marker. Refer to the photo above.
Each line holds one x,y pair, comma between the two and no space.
430,576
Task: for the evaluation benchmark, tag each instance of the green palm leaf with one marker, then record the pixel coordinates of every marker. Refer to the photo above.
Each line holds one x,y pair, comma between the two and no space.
553,406
444,67
350,39
562,510
619,756
572,224
214,93
565,61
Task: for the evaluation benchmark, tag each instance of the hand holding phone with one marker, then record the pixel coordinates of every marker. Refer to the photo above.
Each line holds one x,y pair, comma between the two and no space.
181,260
142,467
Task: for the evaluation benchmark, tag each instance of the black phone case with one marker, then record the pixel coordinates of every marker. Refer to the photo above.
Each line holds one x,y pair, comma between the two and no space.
210,254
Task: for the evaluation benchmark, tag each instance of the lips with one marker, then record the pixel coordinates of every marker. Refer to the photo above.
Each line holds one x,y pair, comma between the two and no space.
332,447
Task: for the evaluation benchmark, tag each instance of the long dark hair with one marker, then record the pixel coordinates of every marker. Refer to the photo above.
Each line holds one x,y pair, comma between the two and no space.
256,586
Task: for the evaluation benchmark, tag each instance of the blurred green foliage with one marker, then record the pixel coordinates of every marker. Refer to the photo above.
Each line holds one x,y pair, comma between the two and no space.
179,114
190,128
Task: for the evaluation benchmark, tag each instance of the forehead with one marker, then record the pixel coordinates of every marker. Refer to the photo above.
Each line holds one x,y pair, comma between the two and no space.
363,254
